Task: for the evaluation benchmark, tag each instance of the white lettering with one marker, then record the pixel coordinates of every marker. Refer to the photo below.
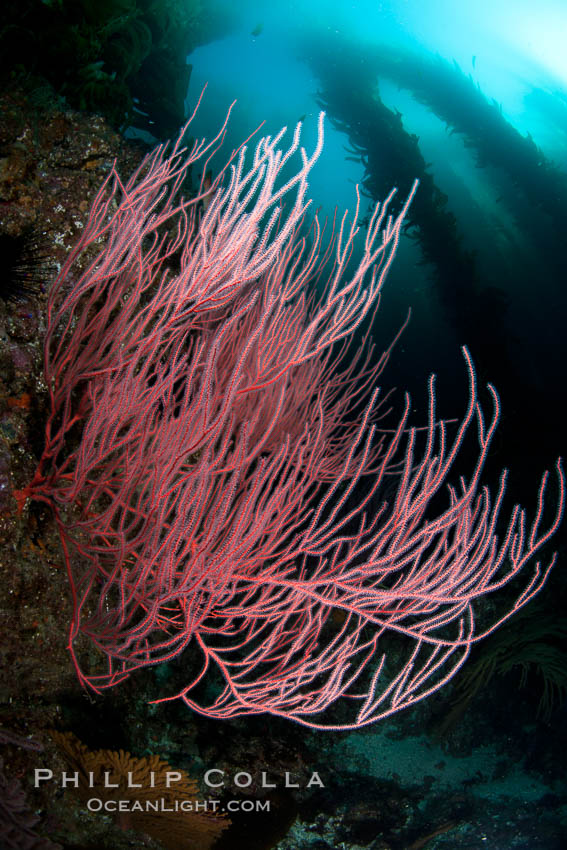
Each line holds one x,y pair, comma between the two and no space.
172,776
70,779
107,782
132,784
208,778
245,782
265,783
41,774
315,780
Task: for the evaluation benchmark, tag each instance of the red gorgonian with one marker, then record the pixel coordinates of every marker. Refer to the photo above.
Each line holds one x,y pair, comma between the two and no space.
215,493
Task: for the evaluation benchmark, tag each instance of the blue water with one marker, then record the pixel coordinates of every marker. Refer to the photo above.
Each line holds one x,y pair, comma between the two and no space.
512,55
510,48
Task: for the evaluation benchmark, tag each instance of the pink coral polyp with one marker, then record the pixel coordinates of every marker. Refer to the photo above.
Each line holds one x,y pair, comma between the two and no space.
204,462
